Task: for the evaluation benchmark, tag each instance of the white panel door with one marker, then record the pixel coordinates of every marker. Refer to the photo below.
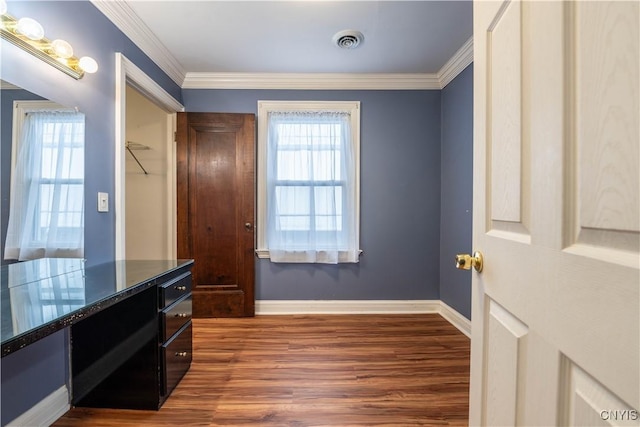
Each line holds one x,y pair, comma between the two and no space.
556,310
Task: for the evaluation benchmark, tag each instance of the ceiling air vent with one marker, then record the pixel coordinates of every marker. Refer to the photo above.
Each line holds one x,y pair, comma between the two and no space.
348,39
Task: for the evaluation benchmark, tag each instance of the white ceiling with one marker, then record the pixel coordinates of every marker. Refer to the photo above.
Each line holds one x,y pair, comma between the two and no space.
296,36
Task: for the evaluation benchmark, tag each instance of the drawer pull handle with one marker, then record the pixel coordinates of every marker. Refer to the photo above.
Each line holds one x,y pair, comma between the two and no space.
182,315
180,288
181,354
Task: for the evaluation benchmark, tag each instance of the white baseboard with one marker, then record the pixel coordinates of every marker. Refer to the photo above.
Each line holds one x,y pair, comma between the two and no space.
273,307
268,307
455,318
45,412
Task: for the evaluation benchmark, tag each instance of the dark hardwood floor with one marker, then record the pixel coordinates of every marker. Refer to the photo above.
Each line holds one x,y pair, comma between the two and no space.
313,370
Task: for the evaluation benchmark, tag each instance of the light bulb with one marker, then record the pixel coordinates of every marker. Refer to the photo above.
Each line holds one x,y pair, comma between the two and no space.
62,48
3,7
88,64
30,28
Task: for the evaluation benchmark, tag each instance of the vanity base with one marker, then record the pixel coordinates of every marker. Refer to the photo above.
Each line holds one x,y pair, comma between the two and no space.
132,354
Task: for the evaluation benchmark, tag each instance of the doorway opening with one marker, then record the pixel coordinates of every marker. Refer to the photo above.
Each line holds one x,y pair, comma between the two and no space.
147,228
147,185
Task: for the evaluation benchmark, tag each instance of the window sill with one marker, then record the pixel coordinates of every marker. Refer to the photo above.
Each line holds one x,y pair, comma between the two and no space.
264,253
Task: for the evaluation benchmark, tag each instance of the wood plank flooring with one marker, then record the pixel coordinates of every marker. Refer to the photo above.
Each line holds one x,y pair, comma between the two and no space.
313,370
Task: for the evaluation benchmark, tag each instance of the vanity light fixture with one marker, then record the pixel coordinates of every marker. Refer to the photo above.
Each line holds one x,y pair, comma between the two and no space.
28,34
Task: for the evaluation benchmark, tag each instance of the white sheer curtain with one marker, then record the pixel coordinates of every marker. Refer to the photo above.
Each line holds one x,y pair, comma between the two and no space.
311,214
46,216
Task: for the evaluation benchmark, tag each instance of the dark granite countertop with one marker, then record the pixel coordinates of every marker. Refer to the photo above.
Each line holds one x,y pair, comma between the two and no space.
43,296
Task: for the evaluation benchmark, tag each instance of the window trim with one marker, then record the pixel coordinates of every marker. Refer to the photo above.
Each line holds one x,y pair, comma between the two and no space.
264,108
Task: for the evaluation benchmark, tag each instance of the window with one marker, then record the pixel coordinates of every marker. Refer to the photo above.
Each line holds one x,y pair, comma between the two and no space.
46,217
308,182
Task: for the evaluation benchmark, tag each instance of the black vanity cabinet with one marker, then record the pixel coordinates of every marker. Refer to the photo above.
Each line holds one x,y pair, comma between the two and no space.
133,353
129,322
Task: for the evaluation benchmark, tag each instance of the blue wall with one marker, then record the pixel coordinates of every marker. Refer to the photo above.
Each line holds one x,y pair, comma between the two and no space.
457,190
92,34
400,198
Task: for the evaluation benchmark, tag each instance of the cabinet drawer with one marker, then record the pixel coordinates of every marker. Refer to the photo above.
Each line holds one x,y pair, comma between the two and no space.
174,289
176,357
174,317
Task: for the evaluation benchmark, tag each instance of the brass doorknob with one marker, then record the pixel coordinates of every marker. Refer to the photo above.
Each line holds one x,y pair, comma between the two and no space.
466,261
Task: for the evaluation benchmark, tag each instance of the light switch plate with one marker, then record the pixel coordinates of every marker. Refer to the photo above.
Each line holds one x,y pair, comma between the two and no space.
103,202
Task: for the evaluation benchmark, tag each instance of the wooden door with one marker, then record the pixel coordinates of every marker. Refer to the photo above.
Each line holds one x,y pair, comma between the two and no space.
216,193
555,312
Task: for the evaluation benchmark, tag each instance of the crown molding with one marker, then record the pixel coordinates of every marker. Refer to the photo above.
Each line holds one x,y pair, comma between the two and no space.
125,18
336,81
311,81
8,86
456,64
127,21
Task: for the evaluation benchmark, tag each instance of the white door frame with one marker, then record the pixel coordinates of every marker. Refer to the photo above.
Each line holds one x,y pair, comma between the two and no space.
127,73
